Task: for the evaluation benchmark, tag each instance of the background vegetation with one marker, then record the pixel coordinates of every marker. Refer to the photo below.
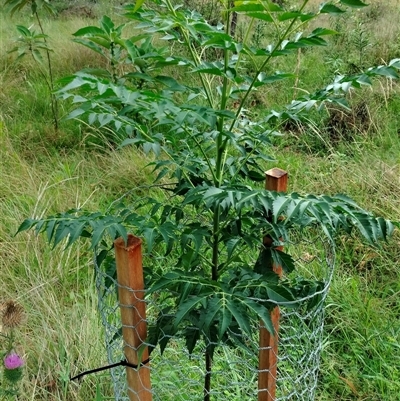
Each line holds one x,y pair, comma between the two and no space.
43,171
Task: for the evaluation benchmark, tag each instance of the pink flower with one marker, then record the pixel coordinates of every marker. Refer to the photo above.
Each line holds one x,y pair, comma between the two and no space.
13,361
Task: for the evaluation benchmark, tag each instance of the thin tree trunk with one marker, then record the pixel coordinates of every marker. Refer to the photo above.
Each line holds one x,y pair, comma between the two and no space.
232,29
54,102
233,22
207,378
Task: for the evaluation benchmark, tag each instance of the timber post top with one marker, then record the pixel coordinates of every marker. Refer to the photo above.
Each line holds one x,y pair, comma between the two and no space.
132,242
276,172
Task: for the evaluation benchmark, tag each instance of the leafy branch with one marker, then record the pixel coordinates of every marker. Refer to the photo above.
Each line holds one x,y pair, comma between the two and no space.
30,42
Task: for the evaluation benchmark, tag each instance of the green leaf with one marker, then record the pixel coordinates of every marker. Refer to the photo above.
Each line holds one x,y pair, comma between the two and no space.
329,8
263,79
27,224
162,332
247,6
37,56
192,335
23,30
353,3
138,4
323,31
255,176
121,230
88,31
150,234
171,83
326,209
296,210
50,229
185,307
390,225
75,81
239,313
215,68
41,224
166,281
101,256
395,63
61,232
231,245
211,311
346,200
304,42
90,45
363,223
75,113
260,16
97,235
49,7
225,320
107,24
385,71
283,259
185,290
293,15
279,204
264,264
262,312
104,42
75,232
16,5
255,5
364,79
212,193
279,294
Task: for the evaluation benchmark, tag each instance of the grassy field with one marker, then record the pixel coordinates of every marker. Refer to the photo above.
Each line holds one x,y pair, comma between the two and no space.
43,171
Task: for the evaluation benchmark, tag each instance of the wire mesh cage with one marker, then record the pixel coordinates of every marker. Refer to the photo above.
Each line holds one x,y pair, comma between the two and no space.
179,375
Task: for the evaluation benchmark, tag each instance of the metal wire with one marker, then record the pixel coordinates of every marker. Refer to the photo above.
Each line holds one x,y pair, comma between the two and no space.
176,375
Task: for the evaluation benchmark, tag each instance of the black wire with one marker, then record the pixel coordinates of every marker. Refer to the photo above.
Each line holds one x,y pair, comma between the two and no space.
124,362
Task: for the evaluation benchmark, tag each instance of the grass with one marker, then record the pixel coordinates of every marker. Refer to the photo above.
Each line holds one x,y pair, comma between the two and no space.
359,357
44,172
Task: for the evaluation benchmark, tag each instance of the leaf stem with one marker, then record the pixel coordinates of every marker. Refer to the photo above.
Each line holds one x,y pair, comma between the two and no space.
54,102
206,158
195,58
266,61
215,244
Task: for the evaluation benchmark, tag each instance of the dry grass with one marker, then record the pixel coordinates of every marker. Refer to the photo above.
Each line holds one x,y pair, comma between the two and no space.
62,334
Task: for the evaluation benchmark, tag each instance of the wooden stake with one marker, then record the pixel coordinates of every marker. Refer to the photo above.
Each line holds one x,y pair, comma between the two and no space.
133,315
276,180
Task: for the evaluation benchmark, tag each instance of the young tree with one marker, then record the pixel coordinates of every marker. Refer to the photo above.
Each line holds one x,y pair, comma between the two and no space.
208,153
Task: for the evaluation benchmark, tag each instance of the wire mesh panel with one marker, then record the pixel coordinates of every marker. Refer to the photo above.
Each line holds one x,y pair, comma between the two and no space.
177,375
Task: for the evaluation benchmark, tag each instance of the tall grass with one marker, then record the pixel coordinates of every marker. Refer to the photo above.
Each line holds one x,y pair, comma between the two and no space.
43,172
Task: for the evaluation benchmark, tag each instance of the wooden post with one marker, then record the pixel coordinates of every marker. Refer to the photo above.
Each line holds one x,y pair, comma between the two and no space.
276,180
133,315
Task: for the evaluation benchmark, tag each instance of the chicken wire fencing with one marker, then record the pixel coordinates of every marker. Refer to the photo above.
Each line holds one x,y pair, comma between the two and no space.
177,375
